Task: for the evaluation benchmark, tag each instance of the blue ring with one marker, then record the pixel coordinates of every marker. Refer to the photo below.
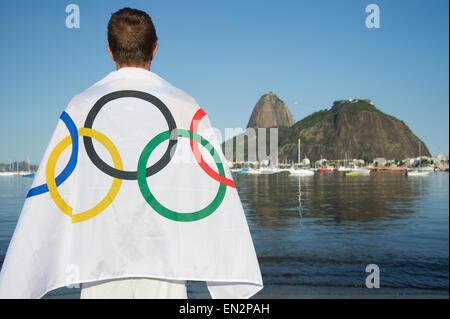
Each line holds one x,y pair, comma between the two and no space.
41,189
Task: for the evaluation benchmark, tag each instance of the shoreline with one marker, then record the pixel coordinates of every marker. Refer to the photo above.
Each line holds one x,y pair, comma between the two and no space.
198,290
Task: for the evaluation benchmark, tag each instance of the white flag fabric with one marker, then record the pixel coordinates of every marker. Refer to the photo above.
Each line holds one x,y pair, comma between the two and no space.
133,184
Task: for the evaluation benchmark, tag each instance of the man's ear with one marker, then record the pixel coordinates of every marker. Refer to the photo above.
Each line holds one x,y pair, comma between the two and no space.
110,52
154,50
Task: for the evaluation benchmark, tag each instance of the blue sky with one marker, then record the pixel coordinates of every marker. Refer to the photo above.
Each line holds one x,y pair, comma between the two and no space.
227,54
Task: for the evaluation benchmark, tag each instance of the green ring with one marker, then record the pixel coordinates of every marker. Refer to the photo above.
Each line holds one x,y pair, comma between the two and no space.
148,196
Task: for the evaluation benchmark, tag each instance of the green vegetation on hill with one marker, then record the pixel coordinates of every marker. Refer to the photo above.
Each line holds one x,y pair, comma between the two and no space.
349,129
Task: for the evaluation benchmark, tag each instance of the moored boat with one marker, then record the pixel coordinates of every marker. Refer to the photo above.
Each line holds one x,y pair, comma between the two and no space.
361,170
327,169
427,168
418,173
351,174
301,172
7,173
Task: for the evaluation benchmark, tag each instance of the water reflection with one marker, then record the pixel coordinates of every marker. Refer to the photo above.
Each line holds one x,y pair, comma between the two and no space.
318,233
273,201
315,235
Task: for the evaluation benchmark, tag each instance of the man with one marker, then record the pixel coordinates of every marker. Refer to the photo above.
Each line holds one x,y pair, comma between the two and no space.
133,196
132,38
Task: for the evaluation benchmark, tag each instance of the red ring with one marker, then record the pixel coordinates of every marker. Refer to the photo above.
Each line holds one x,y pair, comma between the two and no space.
198,156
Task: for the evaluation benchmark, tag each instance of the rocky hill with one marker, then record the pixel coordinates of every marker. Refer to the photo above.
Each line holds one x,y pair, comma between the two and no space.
351,129
270,111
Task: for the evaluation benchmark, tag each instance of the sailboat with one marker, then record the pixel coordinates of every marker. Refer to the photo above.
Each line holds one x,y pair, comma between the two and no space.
419,171
360,170
27,173
300,171
345,168
8,173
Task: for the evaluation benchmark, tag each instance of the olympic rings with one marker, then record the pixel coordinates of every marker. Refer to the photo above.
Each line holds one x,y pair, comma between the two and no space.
146,193
72,161
50,176
198,156
117,171
105,168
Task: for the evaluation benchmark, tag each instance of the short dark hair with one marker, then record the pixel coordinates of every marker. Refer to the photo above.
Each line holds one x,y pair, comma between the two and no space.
131,36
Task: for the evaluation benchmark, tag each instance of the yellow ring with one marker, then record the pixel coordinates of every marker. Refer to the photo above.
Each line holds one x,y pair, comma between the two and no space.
50,176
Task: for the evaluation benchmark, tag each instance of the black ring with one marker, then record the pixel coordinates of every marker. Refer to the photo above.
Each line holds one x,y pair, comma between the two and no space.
130,175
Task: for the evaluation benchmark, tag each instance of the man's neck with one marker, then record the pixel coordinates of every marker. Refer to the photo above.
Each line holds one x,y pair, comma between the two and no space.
145,67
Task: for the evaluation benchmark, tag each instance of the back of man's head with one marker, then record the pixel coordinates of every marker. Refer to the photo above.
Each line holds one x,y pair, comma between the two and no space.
131,37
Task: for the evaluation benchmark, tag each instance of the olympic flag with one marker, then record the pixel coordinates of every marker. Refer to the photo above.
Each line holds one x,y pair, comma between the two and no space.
133,184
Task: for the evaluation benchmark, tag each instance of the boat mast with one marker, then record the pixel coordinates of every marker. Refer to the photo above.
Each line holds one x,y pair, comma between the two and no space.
299,151
420,158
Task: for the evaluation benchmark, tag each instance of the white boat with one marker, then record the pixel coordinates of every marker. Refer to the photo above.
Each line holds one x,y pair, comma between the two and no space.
419,173
27,173
421,170
268,170
10,172
360,170
7,173
253,171
241,170
301,172
345,168
427,168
